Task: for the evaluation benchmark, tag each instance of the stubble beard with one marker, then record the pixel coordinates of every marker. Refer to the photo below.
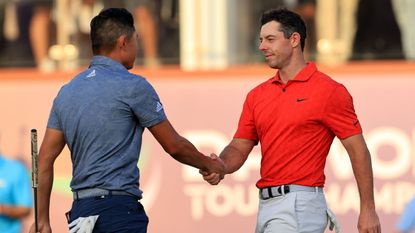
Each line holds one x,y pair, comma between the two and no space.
273,64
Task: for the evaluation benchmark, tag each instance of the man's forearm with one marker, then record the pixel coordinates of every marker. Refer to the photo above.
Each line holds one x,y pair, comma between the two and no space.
187,153
362,169
233,158
44,191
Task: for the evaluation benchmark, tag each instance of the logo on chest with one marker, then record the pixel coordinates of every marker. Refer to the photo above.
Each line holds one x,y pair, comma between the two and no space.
301,100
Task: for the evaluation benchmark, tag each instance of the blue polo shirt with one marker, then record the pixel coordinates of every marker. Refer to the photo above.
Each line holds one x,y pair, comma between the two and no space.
15,190
103,112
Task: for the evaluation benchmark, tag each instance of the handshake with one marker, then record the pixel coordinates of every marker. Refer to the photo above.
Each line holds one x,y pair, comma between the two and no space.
217,170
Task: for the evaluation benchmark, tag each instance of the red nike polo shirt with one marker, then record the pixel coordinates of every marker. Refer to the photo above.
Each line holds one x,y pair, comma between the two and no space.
295,124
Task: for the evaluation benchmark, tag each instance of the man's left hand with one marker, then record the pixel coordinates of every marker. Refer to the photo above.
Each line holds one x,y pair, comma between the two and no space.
369,222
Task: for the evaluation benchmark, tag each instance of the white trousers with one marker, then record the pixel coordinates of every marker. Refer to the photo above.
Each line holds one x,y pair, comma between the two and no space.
294,212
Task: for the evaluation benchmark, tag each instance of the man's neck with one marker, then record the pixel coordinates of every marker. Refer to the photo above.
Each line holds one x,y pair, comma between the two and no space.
291,70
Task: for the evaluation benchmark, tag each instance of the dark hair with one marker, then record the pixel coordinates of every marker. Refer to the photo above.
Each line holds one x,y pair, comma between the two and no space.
108,26
290,22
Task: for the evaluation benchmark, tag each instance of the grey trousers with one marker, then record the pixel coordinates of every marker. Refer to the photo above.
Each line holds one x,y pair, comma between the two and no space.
295,212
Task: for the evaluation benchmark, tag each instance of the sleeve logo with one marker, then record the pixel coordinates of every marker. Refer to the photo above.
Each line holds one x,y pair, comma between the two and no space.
159,107
92,74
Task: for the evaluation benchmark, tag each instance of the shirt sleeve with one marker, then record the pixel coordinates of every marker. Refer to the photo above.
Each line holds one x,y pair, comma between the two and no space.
339,114
246,126
53,121
147,106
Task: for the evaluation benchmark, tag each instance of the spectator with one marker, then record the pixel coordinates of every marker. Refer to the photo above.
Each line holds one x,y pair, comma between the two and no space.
407,221
39,32
404,14
15,195
26,22
377,36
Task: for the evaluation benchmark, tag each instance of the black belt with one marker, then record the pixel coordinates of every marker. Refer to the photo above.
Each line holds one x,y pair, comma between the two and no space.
98,192
275,191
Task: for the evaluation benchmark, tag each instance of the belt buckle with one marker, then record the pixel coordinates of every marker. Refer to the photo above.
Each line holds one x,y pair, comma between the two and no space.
283,189
265,197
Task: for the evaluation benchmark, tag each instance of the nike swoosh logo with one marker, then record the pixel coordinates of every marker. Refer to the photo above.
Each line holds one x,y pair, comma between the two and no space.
301,99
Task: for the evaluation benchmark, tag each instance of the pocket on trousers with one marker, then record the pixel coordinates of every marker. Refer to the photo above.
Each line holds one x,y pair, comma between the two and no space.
135,208
132,207
311,203
311,210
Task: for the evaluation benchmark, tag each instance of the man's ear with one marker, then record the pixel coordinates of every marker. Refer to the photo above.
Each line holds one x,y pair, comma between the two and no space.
121,42
295,39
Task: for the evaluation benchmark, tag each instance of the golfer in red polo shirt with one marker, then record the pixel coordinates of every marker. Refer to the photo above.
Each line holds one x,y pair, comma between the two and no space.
295,116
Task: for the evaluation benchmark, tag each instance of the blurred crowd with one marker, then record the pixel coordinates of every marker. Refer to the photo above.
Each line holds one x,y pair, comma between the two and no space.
41,33
38,33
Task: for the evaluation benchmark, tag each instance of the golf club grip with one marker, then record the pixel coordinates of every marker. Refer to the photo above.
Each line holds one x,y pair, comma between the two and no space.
33,136
34,158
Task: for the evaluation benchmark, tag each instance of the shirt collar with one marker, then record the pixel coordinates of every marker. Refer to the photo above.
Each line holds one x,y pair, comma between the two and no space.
100,60
304,75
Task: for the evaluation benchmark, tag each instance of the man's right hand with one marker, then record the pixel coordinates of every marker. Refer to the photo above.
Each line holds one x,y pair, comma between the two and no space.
43,228
218,171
